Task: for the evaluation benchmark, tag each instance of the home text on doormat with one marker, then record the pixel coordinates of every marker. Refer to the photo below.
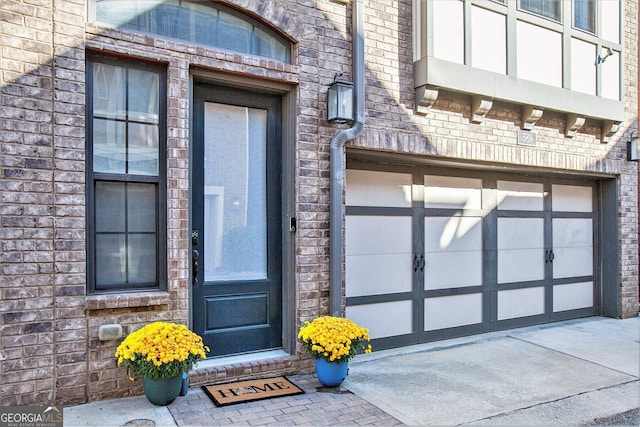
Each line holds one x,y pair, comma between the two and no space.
249,390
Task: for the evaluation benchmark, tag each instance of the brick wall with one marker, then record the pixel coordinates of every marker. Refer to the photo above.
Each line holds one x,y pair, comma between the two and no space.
49,346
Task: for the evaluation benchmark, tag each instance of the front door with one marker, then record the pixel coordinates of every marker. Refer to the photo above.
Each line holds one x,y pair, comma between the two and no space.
236,236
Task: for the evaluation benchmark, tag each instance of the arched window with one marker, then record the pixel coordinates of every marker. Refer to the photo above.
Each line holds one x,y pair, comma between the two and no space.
203,23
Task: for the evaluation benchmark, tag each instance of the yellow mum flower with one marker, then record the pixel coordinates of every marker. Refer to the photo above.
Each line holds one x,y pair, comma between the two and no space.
161,350
335,339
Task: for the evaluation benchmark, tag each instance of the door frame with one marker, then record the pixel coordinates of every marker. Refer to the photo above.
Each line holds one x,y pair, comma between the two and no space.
288,94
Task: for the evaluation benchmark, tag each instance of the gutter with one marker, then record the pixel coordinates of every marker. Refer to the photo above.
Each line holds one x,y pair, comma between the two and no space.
337,167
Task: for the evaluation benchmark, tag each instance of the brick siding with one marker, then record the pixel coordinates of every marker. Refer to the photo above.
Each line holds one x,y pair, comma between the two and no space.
49,346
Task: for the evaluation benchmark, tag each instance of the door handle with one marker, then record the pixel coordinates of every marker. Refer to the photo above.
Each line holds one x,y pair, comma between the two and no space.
549,256
195,255
416,263
423,262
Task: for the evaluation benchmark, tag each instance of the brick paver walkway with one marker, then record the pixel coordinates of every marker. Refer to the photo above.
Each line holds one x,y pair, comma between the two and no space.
317,407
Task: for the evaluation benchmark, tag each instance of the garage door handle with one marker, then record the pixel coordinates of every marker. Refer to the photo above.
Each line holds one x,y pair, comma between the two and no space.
549,256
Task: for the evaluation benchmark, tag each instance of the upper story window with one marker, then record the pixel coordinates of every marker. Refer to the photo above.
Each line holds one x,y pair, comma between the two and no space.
551,9
203,23
125,175
529,52
584,15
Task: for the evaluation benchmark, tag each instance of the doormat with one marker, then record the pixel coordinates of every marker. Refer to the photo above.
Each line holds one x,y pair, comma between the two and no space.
250,390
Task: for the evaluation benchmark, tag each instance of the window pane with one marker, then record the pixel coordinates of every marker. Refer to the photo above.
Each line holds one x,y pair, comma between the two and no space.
141,212
233,33
142,256
143,149
547,8
143,96
584,15
110,207
109,146
109,84
110,260
193,21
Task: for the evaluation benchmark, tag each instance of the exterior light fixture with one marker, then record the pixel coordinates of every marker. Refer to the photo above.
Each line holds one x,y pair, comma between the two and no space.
602,58
340,101
633,147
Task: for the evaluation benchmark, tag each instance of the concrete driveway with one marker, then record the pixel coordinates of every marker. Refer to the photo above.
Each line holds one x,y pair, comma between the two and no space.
562,373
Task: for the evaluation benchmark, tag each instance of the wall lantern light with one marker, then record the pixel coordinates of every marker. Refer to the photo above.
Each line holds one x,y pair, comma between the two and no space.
633,147
340,101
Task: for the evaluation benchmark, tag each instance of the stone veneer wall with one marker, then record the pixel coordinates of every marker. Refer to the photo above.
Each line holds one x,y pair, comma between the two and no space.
49,349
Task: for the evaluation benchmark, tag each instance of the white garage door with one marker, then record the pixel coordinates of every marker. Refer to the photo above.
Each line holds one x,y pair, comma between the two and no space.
435,253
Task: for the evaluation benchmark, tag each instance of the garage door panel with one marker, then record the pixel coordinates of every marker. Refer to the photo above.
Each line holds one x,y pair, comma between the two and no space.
378,274
520,265
452,311
451,234
373,235
572,262
452,192
572,296
520,233
572,232
520,303
452,269
571,198
520,196
375,188
383,319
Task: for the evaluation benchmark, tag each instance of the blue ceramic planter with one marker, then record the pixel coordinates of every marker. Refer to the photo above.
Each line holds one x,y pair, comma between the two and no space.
163,390
331,374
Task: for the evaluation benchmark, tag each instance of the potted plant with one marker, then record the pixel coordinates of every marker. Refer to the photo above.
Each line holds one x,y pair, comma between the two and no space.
332,342
161,352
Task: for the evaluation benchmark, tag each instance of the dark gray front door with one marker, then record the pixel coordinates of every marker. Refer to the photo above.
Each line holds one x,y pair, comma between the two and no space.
236,237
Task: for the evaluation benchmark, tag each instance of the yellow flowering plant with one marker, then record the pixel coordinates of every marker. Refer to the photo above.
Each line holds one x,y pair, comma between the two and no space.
335,339
161,350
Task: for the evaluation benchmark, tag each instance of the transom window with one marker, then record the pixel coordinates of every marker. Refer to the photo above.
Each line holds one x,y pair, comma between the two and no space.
203,23
125,173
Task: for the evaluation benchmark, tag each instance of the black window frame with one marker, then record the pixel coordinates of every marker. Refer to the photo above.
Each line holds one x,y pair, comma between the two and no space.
160,180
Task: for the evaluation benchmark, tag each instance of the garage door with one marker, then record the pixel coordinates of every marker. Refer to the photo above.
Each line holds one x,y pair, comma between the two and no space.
435,253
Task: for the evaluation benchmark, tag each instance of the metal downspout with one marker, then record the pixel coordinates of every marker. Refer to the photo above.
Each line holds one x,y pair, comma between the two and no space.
337,163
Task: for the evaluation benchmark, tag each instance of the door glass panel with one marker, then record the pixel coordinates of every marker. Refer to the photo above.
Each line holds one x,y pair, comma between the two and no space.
235,193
